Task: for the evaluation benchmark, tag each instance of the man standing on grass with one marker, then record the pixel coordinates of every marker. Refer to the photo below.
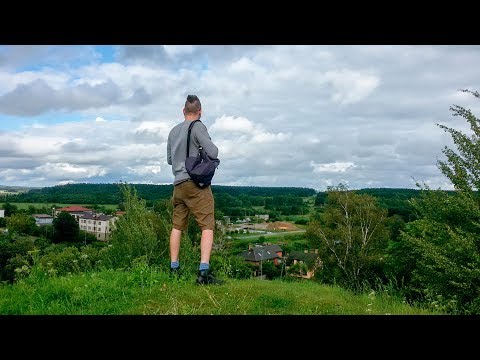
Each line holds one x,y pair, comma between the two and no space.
187,196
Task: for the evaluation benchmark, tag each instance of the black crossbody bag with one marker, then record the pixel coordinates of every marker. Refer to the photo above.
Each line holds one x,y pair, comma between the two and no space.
200,167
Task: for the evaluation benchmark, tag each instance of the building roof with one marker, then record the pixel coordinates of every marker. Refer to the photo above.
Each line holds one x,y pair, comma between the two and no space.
100,217
74,208
120,212
260,252
42,216
307,258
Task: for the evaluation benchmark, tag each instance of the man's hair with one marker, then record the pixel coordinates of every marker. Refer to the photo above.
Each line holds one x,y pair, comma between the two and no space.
192,105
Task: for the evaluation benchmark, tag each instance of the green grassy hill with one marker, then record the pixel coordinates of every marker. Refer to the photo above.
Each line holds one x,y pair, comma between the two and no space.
151,292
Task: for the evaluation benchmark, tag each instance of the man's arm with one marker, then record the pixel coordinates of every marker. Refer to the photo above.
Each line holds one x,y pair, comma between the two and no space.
205,141
169,151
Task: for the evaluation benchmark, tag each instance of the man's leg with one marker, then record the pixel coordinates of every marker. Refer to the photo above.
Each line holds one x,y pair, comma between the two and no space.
204,275
180,219
206,244
175,237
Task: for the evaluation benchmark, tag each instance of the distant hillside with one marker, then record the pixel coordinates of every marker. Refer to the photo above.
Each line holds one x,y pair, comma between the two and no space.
110,193
16,189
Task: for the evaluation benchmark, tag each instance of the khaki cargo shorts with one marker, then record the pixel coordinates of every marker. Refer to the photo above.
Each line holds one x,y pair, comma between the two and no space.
188,197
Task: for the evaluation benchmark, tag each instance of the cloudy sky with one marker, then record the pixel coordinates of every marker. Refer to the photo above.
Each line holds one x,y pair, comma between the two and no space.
307,116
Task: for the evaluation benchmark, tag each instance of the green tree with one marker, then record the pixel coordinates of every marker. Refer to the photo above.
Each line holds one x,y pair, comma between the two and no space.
139,233
462,166
438,257
65,228
351,236
31,210
21,224
10,209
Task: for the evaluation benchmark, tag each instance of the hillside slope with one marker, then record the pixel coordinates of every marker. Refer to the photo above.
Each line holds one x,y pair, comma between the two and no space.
151,292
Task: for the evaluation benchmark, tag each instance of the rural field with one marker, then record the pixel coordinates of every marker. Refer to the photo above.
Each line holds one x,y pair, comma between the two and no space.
22,206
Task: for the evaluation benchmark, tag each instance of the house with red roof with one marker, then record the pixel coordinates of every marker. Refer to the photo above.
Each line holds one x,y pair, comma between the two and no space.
89,220
75,210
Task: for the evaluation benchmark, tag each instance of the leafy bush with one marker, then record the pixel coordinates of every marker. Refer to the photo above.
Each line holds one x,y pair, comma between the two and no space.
13,251
301,221
139,232
61,260
21,224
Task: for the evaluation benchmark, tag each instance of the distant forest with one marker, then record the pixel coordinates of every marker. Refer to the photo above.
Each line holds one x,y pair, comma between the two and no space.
234,201
110,193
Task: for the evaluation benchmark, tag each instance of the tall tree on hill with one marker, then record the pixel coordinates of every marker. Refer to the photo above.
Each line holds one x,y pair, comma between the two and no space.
65,228
438,257
351,236
462,167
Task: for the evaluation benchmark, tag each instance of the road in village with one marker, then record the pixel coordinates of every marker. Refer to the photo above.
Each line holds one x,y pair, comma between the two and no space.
269,234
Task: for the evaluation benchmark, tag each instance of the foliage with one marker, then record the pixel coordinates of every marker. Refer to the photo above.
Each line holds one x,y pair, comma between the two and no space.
438,256
14,250
300,268
270,270
462,167
21,224
138,233
440,252
111,194
350,235
396,201
301,222
65,228
230,266
62,260
10,209
86,237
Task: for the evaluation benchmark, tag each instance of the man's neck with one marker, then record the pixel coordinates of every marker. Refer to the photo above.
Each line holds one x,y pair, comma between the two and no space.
191,117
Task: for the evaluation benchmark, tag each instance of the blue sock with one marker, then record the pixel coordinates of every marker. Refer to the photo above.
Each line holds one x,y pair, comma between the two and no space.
174,264
204,266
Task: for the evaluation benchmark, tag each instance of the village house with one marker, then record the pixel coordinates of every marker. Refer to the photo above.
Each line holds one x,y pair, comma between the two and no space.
264,217
307,259
2,213
43,219
76,211
258,253
99,224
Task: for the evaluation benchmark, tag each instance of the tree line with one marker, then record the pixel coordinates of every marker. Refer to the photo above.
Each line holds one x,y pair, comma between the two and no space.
86,193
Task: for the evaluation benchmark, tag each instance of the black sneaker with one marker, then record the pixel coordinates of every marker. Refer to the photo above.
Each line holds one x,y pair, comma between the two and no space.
175,271
206,278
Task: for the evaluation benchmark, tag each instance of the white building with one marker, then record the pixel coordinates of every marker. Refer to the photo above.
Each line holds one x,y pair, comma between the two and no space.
99,224
2,213
262,216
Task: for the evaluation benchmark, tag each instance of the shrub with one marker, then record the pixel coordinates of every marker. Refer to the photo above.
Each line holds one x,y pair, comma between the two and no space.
137,233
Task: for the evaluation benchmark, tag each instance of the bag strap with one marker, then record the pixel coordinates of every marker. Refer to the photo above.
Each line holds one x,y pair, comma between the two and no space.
188,136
